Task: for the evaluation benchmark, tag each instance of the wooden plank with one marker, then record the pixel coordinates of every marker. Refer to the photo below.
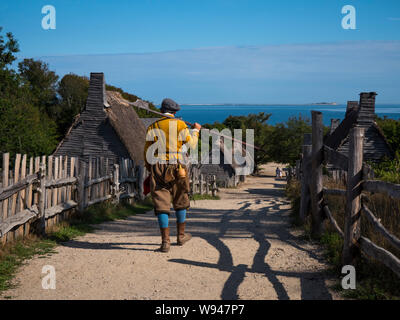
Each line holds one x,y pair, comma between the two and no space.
317,226
116,191
334,192
380,228
37,167
102,174
20,206
60,170
353,196
89,178
29,195
65,169
380,254
42,199
62,207
71,175
92,202
49,178
97,173
333,221
81,186
23,192
306,173
55,176
6,163
18,219
335,158
14,188
375,186
17,166
61,182
30,188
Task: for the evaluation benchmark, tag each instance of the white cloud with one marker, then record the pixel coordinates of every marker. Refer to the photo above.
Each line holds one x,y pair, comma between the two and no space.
282,73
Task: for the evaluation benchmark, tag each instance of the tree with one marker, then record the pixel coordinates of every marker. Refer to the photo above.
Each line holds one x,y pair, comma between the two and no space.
42,84
391,130
73,92
286,139
23,128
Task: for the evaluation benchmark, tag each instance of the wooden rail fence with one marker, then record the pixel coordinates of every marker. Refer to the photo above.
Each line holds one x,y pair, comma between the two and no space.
201,183
315,154
41,191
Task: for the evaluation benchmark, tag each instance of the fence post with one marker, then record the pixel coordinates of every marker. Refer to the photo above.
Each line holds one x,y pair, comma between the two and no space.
81,185
201,182
316,177
214,185
116,183
353,196
140,179
305,177
42,199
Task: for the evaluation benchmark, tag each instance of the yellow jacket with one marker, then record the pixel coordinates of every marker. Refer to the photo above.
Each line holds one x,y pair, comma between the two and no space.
170,135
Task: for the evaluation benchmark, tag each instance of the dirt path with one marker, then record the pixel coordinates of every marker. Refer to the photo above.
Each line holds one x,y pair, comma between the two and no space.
242,248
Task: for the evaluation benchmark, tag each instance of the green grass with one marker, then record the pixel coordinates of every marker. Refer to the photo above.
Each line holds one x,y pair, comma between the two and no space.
13,255
204,197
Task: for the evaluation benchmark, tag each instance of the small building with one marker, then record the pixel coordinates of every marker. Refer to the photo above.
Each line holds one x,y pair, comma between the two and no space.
359,114
108,127
226,173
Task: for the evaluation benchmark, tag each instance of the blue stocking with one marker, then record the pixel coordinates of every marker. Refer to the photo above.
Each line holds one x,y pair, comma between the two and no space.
180,215
162,220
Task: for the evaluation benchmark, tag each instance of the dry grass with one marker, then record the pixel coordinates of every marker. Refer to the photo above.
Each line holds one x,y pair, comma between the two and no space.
374,280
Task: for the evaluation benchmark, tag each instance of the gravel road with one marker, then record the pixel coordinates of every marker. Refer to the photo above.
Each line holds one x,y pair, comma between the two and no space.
242,248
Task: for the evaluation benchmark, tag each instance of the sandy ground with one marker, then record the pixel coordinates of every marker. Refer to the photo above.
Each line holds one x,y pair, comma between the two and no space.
242,248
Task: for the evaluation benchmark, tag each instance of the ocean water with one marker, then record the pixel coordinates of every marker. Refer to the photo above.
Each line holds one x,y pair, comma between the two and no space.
279,113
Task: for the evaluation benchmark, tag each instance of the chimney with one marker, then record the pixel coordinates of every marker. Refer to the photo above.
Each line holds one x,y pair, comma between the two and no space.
334,124
367,108
97,98
351,106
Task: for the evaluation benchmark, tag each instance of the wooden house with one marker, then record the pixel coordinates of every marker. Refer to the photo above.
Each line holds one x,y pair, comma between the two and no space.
359,114
226,173
108,127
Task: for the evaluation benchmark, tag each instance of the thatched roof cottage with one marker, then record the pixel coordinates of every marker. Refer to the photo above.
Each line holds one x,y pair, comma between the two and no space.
108,127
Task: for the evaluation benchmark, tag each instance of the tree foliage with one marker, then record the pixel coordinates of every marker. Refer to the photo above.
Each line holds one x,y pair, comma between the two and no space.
279,143
73,92
36,108
23,127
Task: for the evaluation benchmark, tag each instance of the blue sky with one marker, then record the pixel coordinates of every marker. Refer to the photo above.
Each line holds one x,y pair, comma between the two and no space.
216,51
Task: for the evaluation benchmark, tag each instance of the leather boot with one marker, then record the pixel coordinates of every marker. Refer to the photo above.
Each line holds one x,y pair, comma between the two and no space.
182,237
166,243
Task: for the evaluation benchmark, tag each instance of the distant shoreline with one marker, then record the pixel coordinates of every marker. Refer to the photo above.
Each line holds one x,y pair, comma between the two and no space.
261,104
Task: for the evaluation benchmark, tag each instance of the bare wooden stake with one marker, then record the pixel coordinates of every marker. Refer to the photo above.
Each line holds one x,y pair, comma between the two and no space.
353,196
42,199
316,177
305,182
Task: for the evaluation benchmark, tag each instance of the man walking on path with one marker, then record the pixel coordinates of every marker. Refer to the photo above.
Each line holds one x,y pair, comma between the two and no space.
169,178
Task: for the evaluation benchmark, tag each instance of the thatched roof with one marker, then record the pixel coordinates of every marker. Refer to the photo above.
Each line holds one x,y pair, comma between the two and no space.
149,121
107,127
127,124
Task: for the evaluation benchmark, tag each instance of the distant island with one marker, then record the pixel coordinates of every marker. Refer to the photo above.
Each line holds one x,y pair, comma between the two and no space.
262,104
324,104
